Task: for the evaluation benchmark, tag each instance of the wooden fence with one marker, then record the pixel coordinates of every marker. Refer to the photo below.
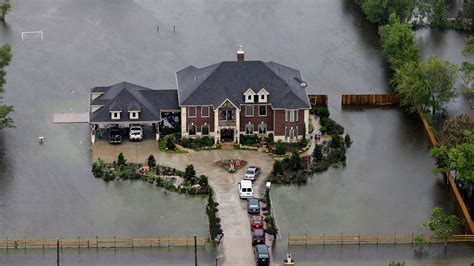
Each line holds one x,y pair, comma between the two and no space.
114,242
369,240
370,99
321,100
452,183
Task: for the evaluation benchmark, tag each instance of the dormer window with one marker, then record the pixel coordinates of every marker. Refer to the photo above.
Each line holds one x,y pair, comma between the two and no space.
249,96
262,96
134,114
115,115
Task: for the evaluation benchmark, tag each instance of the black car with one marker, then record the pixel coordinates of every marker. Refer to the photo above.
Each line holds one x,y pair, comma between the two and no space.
115,135
253,206
262,255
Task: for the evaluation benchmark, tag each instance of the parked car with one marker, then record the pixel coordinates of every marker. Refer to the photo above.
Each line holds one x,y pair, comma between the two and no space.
136,133
262,254
115,135
245,189
253,206
252,173
258,236
256,221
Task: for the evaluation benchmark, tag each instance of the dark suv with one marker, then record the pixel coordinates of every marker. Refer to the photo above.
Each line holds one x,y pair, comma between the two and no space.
262,255
115,135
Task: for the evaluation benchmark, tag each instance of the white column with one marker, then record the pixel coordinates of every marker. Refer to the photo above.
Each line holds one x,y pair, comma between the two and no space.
184,114
237,124
216,126
306,121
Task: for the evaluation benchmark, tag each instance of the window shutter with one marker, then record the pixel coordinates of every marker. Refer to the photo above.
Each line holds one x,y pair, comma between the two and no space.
286,115
296,116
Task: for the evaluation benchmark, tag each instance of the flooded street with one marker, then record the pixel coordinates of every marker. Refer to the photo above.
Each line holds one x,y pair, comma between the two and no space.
48,190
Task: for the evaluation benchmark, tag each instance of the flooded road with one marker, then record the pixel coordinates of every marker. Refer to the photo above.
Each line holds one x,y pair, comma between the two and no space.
48,190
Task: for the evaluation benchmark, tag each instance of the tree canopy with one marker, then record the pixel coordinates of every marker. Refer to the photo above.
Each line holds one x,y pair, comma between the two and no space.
454,130
442,225
5,110
428,84
4,8
379,11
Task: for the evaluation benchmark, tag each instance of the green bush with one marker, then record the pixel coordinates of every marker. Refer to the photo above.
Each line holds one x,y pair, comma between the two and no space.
121,160
203,181
280,148
267,199
271,227
318,152
347,140
98,168
321,111
330,127
169,143
336,142
151,161
271,139
249,140
277,168
108,175
189,172
196,143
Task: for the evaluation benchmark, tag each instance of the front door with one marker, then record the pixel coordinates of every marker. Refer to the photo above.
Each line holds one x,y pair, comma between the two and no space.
227,134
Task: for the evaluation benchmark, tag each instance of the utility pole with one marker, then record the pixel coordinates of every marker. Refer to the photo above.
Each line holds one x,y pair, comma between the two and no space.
57,251
195,252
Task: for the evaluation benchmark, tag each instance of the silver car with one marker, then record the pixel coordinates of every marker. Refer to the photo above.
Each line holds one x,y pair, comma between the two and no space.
252,173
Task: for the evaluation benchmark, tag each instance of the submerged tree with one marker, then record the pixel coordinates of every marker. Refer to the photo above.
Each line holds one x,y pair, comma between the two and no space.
4,8
442,225
5,110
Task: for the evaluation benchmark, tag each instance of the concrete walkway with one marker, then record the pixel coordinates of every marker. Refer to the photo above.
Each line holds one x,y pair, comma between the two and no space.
236,244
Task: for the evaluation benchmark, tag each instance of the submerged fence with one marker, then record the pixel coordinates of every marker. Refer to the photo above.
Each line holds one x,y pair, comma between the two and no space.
367,240
321,100
97,242
370,99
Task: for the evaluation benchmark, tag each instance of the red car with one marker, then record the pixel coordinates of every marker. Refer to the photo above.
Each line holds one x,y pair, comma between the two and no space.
256,221
258,236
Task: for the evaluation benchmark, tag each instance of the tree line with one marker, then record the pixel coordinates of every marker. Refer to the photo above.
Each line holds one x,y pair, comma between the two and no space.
5,58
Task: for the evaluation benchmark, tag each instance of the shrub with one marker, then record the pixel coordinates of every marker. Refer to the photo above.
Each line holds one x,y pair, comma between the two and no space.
271,138
151,161
121,160
196,143
203,181
336,142
318,152
267,199
347,140
277,168
108,175
167,131
321,111
169,143
249,140
189,172
331,127
280,148
271,227
295,162
98,168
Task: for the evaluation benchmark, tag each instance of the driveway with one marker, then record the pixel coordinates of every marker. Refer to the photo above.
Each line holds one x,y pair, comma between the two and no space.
236,244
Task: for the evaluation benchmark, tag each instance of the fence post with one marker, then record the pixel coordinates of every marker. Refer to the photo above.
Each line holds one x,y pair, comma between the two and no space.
324,239
359,238
341,239
97,242
7,244
57,251
288,239
79,242
115,242
306,239
168,241
430,239
395,238
377,239
412,235
43,242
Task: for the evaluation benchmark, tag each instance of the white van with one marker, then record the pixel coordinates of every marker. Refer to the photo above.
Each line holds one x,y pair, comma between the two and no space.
245,189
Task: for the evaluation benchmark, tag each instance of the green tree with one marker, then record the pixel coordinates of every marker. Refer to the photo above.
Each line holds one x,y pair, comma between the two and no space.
428,84
4,8
454,130
439,14
5,110
189,172
378,11
151,161
467,70
398,43
280,148
121,160
442,225
468,45
470,11
336,142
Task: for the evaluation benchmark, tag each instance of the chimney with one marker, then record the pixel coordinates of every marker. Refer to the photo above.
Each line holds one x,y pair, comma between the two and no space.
240,54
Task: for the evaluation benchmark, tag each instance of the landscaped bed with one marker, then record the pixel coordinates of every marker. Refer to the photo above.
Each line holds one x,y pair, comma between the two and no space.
232,165
159,175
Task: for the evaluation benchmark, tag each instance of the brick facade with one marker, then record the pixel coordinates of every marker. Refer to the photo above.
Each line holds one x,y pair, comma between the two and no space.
280,123
256,119
199,121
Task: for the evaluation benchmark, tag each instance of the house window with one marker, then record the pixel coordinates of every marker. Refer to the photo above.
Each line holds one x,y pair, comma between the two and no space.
249,98
249,110
291,115
115,115
262,129
249,129
262,110
205,130
192,130
192,111
134,115
205,111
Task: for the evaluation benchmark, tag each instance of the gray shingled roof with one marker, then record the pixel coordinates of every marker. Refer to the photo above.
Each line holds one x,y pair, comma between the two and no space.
126,97
213,84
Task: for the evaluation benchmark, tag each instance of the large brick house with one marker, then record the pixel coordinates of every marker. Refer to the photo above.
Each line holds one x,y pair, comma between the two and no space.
231,98
221,101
